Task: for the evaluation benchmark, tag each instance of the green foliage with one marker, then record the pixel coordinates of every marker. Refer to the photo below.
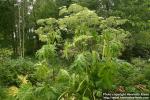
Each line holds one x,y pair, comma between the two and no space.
5,54
124,73
106,74
44,9
142,39
42,71
138,24
46,92
46,52
80,56
10,70
147,71
143,67
63,75
141,43
25,92
3,93
92,52
6,23
113,22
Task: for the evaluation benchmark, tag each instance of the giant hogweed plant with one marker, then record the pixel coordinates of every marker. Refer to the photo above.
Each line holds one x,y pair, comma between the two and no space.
86,46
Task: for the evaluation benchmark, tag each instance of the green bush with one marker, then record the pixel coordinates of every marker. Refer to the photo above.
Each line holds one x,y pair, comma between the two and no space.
11,68
3,93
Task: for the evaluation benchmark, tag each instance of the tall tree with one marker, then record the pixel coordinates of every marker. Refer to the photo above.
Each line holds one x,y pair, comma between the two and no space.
6,23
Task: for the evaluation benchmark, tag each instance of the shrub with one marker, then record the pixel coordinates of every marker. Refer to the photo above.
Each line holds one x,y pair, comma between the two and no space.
11,68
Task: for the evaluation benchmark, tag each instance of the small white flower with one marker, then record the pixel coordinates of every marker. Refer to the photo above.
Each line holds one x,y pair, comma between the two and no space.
28,13
14,34
30,7
34,1
18,1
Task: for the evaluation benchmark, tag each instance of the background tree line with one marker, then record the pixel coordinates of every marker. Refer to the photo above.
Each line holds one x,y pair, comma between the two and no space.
137,12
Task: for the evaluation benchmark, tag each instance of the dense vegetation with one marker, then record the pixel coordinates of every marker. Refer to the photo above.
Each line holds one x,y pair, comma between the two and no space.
73,49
